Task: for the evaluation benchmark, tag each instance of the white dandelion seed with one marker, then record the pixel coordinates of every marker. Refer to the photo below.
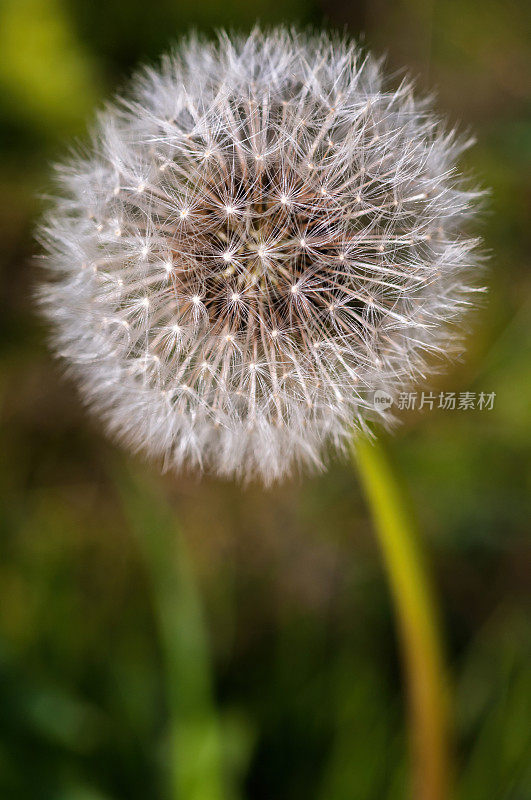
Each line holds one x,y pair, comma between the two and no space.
309,223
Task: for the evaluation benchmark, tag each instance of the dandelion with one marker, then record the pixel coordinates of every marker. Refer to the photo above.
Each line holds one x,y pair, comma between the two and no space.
263,233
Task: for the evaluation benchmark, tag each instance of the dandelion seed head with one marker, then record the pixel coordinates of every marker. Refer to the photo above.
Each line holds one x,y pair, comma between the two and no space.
308,218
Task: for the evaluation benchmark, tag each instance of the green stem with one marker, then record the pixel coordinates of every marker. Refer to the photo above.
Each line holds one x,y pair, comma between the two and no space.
417,620
194,740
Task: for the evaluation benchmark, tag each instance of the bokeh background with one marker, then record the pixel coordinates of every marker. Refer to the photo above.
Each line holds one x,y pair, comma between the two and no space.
288,640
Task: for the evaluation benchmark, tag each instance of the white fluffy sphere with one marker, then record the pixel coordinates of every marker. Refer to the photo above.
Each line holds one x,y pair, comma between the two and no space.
262,234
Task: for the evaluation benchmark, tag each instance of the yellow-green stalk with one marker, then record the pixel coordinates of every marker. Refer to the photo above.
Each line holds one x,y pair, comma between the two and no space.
417,621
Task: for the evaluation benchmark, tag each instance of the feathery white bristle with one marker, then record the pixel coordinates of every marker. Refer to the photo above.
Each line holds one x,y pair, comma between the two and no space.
263,235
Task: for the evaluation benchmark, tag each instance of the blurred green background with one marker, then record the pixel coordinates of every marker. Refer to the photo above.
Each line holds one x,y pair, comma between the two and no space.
288,651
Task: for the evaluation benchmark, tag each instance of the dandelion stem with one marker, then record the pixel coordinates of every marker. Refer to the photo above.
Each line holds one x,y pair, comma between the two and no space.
417,620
